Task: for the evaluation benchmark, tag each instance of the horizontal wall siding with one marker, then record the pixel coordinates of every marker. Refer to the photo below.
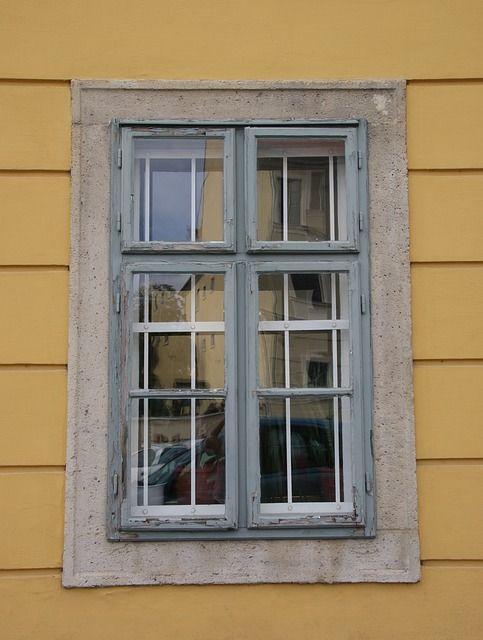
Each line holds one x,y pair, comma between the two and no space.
33,403
224,39
445,605
36,219
33,322
34,125
446,210
31,527
448,409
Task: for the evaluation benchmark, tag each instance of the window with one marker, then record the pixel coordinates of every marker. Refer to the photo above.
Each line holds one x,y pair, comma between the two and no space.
265,430
261,246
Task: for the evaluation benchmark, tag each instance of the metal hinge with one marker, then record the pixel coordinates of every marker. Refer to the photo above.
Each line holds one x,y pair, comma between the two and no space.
119,220
359,159
361,221
118,302
363,303
115,484
368,484
119,157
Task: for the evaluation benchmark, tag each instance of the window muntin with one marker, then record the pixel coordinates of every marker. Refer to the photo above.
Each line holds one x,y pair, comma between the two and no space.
309,314
297,189
178,189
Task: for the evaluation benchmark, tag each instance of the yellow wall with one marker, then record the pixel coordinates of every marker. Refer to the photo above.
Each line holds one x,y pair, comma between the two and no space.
438,47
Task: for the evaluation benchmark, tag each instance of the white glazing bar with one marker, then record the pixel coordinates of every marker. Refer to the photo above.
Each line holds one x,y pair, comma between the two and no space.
288,437
146,401
335,382
193,400
336,449
301,325
285,198
178,327
331,199
193,200
147,199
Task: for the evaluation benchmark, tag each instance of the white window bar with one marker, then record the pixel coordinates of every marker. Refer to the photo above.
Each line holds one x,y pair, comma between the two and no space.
335,373
146,386
135,471
302,325
331,198
288,437
341,200
193,202
285,199
345,402
178,327
193,385
147,199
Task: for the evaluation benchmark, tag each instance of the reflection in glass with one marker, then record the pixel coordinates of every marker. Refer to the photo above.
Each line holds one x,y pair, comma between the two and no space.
312,448
310,358
271,359
309,296
169,358
273,450
169,297
210,360
209,289
301,189
270,296
166,462
178,189
210,451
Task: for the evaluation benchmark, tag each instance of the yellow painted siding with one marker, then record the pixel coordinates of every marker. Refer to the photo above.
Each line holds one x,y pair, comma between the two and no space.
253,39
32,416
33,322
449,409
451,511
31,526
34,125
36,218
446,216
420,39
447,311
446,605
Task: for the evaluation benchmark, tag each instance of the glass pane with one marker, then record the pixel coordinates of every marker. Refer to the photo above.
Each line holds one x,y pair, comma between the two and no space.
269,197
312,445
168,456
270,296
310,296
210,360
273,450
168,297
310,358
210,451
301,189
209,297
271,359
169,357
178,189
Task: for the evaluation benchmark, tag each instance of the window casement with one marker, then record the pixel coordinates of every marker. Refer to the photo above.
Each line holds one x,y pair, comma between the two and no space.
240,358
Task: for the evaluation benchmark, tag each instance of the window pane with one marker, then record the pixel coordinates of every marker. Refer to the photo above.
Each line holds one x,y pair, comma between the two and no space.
169,358
310,358
301,189
168,297
273,450
271,359
178,189
209,297
210,451
210,360
164,465
270,296
310,296
312,449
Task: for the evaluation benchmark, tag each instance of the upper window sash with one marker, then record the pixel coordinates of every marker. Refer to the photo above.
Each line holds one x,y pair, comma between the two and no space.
193,169
292,160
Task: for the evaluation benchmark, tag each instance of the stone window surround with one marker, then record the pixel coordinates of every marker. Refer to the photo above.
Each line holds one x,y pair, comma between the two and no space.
393,555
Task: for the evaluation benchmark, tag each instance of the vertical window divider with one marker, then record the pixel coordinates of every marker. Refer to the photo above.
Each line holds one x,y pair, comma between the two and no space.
331,198
193,200
147,199
145,386
288,435
285,197
193,386
335,376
